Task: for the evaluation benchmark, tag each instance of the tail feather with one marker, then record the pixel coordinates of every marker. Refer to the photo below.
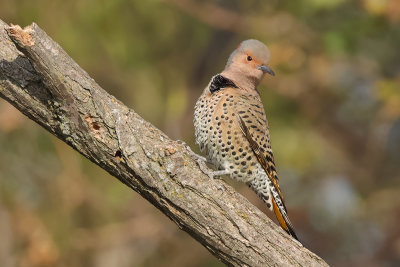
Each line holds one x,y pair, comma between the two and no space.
274,202
283,218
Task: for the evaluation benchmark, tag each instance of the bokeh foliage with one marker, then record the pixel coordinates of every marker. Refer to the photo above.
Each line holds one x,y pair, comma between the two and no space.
333,108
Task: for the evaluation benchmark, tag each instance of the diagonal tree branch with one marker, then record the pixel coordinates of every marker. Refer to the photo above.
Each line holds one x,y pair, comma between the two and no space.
44,83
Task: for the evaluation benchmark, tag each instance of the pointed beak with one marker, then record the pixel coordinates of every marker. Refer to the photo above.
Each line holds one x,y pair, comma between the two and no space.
266,69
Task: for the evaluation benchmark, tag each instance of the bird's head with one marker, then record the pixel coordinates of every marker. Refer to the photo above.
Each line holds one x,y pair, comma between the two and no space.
248,63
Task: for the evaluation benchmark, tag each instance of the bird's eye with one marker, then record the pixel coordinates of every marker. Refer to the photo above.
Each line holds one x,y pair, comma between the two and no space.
249,58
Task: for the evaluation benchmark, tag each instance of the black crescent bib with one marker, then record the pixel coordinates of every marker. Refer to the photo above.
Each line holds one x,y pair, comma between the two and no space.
219,82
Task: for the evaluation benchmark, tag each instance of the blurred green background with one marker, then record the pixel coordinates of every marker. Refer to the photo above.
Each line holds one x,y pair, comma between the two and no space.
333,107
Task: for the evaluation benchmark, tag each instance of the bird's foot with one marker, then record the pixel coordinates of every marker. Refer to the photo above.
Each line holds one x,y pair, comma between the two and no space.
200,158
202,163
193,155
217,174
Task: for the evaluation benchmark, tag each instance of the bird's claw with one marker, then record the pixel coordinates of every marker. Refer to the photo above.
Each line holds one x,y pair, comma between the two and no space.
217,174
201,162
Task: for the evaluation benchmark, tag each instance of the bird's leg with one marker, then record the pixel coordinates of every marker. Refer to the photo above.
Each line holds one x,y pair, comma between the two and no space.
217,174
201,162
201,158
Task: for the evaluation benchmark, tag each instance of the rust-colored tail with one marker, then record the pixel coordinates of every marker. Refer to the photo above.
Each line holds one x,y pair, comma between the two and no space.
282,216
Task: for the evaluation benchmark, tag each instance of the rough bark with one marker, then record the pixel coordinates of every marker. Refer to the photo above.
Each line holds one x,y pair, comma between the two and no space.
45,84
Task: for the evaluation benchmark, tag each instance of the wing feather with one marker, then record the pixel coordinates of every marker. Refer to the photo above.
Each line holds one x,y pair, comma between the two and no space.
268,165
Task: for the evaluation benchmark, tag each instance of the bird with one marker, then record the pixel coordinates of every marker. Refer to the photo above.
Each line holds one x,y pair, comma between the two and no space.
232,129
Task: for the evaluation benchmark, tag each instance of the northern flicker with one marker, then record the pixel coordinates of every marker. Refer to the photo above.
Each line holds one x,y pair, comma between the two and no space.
231,126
